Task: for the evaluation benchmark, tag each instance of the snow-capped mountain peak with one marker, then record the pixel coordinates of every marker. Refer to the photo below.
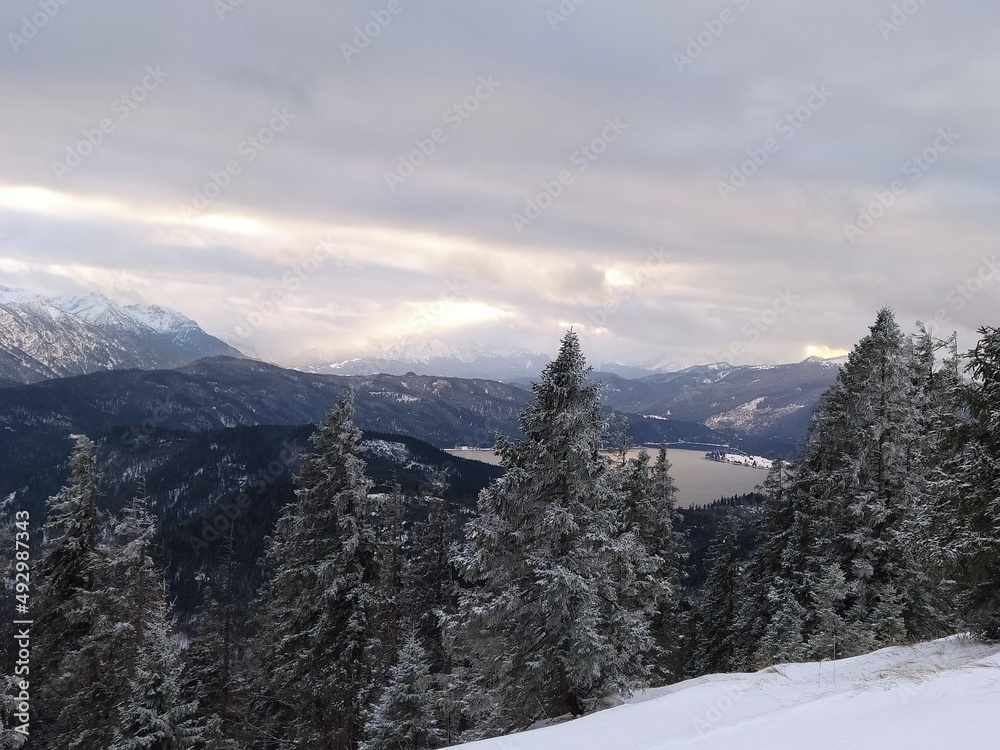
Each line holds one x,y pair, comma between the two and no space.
9,295
45,337
95,309
829,362
161,319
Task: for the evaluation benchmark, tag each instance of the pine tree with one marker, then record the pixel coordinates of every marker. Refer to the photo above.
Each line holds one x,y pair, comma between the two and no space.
649,497
132,640
68,575
11,738
127,585
831,635
393,570
155,715
860,506
929,601
553,622
404,717
880,427
431,578
319,641
720,605
976,490
772,619
210,678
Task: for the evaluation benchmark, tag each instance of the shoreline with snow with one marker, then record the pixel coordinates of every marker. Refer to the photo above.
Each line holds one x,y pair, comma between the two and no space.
740,459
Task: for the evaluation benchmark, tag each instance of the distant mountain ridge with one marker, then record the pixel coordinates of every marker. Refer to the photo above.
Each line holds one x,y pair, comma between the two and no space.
50,337
771,404
448,360
431,358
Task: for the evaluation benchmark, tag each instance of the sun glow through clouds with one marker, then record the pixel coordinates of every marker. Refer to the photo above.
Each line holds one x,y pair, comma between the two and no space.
824,352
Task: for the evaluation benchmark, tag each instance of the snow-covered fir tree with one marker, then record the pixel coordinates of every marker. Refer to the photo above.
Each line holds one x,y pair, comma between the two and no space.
393,569
155,715
858,507
133,638
431,579
68,575
210,676
553,622
976,489
405,717
11,737
649,498
319,641
718,610
772,619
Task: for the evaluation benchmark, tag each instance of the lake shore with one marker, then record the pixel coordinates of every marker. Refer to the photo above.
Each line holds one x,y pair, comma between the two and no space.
699,480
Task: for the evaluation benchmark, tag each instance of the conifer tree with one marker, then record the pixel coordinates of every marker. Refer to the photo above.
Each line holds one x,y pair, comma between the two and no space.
553,622
976,490
772,619
431,578
319,641
649,497
210,676
859,508
718,610
11,738
393,569
68,577
132,639
155,715
404,717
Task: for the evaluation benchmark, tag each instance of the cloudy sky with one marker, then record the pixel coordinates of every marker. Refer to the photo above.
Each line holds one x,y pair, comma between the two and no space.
682,181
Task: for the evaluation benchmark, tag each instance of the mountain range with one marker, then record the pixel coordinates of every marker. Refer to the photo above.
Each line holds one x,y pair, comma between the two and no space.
52,337
196,423
225,392
436,357
430,358
768,405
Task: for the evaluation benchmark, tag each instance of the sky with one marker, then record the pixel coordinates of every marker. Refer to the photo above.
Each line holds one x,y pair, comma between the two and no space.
681,182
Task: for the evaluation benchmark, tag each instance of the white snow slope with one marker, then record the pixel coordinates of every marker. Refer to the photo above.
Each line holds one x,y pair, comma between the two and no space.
941,695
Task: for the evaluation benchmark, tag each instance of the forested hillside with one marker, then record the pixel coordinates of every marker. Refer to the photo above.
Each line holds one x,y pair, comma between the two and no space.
386,611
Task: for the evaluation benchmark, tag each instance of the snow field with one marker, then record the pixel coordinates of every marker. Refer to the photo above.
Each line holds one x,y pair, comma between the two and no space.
940,695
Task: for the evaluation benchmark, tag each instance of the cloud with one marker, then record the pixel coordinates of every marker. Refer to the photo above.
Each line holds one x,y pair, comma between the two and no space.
261,116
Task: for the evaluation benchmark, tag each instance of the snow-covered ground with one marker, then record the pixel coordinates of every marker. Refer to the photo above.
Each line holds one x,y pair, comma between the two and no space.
933,696
758,462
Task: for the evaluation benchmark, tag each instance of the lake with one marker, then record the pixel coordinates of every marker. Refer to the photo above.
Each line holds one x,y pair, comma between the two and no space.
699,481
